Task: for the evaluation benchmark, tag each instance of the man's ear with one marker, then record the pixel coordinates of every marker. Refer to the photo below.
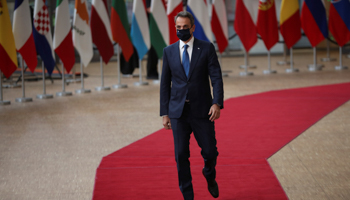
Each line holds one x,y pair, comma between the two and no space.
193,28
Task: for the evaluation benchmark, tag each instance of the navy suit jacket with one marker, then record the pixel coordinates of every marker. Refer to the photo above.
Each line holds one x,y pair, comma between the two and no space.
175,85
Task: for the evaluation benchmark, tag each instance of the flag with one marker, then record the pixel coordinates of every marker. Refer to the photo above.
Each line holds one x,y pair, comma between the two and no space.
267,23
120,28
159,28
314,21
8,55
174,7
339,21
139,28
42,35
23,33
200,13
219,24
245,23
290,26
62,41
81,32
101,29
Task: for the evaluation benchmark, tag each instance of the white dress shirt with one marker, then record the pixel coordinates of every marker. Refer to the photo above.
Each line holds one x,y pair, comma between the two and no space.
189,48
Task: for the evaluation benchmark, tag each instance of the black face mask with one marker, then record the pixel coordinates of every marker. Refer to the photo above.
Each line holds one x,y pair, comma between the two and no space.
183,34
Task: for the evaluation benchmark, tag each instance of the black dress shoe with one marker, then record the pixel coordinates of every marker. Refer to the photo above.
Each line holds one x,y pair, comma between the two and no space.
212,186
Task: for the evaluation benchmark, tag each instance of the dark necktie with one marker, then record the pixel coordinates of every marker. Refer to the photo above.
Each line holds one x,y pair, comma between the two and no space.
186,60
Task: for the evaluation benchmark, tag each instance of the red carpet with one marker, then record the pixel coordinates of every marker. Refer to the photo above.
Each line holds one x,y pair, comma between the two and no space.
251,129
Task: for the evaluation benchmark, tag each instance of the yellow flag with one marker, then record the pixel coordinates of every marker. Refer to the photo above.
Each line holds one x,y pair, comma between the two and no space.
8,55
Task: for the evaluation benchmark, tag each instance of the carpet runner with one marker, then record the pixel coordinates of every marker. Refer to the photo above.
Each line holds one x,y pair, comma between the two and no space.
251,129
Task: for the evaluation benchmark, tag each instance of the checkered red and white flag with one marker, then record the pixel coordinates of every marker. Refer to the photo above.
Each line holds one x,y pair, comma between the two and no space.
42,20
42,35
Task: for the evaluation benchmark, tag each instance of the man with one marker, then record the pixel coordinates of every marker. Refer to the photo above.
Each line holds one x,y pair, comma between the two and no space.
186,103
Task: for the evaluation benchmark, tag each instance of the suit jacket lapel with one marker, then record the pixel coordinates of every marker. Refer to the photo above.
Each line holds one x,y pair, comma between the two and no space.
176,59
196,52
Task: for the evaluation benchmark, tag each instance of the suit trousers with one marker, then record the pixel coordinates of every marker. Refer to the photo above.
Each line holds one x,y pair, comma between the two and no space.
204,133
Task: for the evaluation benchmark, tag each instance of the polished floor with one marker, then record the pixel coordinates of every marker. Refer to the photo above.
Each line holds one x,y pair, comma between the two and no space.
50,149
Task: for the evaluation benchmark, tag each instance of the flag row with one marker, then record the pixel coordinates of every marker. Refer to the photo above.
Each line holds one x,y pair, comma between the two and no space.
31,37
156,28
312,20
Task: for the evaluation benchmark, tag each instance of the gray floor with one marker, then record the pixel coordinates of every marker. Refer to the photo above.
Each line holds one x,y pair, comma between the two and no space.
50,149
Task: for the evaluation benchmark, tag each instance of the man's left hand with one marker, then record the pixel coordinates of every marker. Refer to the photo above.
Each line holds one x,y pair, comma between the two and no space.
214,112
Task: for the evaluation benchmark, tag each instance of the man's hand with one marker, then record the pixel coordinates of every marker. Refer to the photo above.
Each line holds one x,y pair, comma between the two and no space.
166,122
214,112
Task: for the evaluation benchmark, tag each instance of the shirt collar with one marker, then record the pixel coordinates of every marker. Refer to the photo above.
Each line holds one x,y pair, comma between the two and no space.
190,43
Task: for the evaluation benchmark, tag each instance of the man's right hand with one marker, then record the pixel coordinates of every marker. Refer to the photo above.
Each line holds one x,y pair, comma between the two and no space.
166,122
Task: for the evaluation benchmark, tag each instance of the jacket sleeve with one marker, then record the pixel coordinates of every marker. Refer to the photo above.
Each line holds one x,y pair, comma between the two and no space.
215,77
165,86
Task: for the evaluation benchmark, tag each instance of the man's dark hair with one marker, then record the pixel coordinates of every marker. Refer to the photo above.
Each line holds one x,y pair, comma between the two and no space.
186,15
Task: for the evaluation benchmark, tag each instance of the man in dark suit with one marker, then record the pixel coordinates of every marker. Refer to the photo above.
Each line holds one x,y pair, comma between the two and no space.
186,102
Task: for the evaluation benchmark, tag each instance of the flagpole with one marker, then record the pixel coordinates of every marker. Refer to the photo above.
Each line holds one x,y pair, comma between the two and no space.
246,64
291,69
74,78
24,98
340,67
2,102
44,95
315,66
11,84
328,58
63,93
224,74
82,90
284,61
119,85
269,70
158,66
140,75
102,79
246,57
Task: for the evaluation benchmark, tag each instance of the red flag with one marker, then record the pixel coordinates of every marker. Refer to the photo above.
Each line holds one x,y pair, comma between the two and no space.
101,30
23,33
339,21
219,24
244,23
8,55
174,7
290,25
314,21
121,28
63,41
267,23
